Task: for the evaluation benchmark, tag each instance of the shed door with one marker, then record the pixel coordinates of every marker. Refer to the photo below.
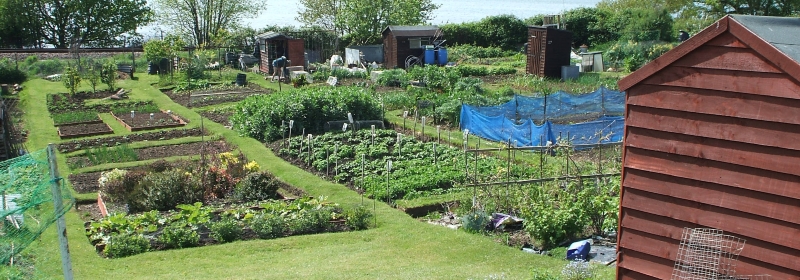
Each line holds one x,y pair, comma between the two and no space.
296,52
536,54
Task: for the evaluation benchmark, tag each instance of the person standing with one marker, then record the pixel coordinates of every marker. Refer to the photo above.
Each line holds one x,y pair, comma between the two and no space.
278,66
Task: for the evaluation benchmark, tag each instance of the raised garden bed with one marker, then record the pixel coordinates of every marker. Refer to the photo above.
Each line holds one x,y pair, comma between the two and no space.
64,103
148,153
73,118
215,96
75,145
198,225
145,121
83,130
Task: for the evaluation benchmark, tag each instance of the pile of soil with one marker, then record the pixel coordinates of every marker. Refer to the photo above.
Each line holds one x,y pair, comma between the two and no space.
78,130
144,121
113,141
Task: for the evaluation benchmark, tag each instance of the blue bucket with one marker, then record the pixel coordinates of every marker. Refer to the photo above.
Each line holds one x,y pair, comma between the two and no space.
442,56
430,56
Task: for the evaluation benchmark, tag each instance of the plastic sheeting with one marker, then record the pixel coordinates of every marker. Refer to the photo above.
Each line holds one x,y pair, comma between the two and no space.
515,120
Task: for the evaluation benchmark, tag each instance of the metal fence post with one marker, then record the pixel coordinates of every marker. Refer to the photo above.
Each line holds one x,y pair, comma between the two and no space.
58,205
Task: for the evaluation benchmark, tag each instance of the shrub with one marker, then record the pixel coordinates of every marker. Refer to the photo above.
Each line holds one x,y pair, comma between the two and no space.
108,74
126,245
119,191
11,75
265,117
71,79
503,70
257,186
93,76
267,226
435,78
310,221
226,230
165,190
218,183
475,221
471,51
393,78
44,67
160,165
179,237
553,224
397,100
503,31
357,218
467,71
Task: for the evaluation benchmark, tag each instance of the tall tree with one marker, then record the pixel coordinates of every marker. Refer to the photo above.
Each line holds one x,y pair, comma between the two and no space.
203,21
18,27
94,22
362,21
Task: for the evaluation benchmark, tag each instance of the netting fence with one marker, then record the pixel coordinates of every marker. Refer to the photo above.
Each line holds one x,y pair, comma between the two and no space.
27,207
586,119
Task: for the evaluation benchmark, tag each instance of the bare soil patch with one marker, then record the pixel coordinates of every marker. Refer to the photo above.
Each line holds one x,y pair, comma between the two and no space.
144,121
75,145
83,130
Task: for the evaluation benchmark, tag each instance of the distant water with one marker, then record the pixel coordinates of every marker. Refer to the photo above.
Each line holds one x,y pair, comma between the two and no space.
283,13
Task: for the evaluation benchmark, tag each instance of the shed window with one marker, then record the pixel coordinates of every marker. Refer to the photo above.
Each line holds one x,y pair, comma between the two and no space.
417,43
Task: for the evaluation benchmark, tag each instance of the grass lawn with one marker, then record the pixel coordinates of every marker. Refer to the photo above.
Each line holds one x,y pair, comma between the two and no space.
399,248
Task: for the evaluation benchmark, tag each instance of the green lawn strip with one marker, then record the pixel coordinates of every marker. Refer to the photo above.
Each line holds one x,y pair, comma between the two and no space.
156,143
400,247
115,125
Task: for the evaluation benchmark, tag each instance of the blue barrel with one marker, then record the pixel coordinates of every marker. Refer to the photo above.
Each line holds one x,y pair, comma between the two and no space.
442,56
430,56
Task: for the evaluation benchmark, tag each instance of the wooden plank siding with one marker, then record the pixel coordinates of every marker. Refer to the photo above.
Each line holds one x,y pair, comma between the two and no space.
712,139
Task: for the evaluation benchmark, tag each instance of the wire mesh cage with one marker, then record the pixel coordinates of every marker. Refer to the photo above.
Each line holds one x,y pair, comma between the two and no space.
707,253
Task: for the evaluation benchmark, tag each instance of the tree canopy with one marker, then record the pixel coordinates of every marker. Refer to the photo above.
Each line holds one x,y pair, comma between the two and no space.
361,21
205,21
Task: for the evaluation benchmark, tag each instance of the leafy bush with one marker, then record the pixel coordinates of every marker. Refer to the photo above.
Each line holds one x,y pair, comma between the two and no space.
71,79
552,224
179,236
467,71
310,221
472,51
503,71
435,78
10,74
633,55
257,186
108,74
124,245
93,75
266,117
164,191
397,100
393,78
357,218
475,221
226,230
119,190
268,226
503,31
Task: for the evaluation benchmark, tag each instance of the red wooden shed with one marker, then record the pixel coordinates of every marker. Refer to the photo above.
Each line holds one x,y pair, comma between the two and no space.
402,42
712,139
274,45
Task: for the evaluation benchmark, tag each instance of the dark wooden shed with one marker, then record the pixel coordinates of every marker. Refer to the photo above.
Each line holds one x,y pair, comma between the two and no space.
712,139
274,45
549,48
401,42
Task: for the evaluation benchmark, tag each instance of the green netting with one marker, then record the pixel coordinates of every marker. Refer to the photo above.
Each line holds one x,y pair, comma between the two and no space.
26,203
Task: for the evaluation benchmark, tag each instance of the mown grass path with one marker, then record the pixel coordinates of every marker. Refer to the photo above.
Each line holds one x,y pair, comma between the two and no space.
399,248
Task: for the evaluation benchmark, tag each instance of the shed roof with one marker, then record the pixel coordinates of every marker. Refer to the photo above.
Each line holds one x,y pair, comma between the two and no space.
271,35
781,32
775,38
412,30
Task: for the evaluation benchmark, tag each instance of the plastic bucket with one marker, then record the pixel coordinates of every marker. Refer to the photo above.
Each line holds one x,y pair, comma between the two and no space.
442,56
430,56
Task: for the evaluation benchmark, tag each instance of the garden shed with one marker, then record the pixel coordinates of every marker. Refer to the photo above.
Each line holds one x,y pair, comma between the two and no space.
274,45
549,48
712,140
401,42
